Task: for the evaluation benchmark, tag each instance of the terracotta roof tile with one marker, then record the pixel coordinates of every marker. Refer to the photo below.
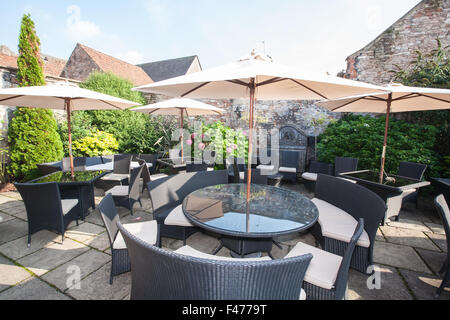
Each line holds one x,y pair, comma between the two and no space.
52,66
118,67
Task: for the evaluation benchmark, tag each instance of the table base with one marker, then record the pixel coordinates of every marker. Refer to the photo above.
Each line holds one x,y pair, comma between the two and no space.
243,247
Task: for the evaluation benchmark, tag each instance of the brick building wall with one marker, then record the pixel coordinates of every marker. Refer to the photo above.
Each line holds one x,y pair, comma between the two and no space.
417,30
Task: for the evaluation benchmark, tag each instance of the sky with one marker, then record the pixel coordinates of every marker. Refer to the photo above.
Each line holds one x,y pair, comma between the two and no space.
316,36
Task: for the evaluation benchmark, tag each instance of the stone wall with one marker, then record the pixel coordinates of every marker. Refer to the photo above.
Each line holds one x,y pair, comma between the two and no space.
417,30
79,66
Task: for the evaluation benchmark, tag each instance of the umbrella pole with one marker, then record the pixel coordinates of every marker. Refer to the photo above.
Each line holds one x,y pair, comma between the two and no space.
386,128
67,102
182,137
250,146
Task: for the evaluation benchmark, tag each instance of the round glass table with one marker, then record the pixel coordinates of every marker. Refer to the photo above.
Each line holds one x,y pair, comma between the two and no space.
272,212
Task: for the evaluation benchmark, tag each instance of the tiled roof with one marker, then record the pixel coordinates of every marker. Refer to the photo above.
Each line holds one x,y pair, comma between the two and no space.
118,67
166,69
52,66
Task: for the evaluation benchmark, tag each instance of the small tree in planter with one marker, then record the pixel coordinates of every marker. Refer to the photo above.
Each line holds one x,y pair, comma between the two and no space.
32,133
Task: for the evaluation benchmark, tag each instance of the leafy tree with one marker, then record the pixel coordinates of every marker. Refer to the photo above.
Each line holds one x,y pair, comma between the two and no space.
431,70
135,132
362,137
32,133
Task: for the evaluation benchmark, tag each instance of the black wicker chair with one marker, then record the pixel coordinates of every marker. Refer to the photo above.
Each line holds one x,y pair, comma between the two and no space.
327,275
146,230
442,208
289,165
196,167
150,158
413,171
340,200
315,167
343,164
79,164
257,177
127,196
45,209
236,168
167,194
159,274
121,169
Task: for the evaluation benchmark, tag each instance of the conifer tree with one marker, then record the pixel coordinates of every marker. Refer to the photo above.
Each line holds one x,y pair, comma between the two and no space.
32,133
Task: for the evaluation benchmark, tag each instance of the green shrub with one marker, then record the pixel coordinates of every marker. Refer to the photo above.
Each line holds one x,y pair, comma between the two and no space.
362,137
32,133
99,144
226,141
33,139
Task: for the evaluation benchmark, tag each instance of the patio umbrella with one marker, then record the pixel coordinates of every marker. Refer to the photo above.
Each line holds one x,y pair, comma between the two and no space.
181,107
397,98
256,79
62,97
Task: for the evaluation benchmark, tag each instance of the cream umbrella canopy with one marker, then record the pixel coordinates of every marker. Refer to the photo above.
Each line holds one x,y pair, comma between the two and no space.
396,98
181,107
62,97
257,79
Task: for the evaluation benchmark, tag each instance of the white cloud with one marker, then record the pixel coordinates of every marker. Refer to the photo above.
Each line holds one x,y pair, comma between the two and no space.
80,29
133,57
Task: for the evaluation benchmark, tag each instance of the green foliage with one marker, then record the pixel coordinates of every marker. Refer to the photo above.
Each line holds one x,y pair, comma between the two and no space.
81,127
32,133
135,132
33,139
431,70
113,85
362,137
99,144
29,63
225,141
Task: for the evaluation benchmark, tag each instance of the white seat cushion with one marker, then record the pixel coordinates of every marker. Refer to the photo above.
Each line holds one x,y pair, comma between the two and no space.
154,177
287,169
115,177
349,180
68,204
265,167
189,251
146,231
118,191
176,217
408,192
324,266
338,224
302,294
309,176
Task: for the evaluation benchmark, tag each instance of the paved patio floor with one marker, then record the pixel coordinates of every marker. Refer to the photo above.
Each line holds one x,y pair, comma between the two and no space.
408,255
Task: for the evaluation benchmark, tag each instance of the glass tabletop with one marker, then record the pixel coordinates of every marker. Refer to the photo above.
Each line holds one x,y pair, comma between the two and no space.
374,176
273,211
66,177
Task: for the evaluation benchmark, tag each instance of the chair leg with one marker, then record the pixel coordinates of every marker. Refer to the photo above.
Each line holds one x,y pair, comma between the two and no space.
29,240
140,203
444,267
440,289
270,255
218,249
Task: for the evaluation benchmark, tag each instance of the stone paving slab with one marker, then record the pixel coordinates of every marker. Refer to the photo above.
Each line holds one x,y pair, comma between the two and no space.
409,224
391,286
52,256
408,237
10,274
398,256
87,263
99,242
5,217
433,259
96,286
435,227
424,286
4,199
19,248
84,231
439,239
32,289
12,229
